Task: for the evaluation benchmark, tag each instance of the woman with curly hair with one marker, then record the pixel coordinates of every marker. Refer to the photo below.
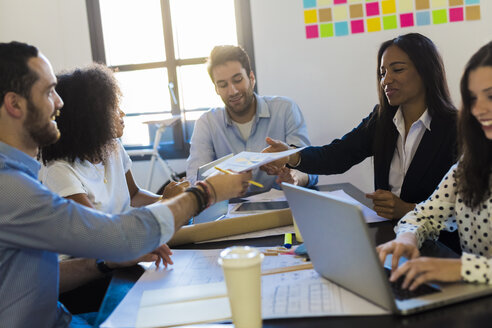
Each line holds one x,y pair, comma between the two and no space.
88,164
463,200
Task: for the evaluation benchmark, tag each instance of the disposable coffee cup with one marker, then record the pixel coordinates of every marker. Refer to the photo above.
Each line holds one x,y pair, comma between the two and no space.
242,273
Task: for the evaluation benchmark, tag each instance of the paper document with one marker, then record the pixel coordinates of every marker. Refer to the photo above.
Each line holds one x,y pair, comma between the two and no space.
246,160
291,294
369,213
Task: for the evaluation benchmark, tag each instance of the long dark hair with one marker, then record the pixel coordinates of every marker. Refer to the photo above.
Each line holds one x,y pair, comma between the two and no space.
86,122
428,63
474,168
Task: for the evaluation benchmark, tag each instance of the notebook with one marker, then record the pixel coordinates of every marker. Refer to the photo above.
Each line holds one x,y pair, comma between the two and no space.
337,239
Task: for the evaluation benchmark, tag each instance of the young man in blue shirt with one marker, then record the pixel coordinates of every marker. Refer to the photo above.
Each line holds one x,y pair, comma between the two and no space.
245,121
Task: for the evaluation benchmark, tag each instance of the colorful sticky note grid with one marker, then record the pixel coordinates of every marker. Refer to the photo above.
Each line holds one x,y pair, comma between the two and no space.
332,18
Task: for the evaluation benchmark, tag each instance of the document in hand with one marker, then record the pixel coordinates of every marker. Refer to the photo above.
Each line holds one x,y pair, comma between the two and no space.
246,160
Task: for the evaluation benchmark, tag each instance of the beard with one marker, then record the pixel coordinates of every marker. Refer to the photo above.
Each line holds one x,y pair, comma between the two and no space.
42,133
242,110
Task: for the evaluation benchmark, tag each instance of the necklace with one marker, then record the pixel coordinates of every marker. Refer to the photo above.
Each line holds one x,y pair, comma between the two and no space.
103,177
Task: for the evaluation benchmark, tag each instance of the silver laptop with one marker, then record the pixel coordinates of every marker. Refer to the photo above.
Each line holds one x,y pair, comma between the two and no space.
204,168
337,239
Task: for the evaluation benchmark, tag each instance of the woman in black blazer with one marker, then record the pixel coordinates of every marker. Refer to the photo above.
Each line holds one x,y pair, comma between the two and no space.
413,92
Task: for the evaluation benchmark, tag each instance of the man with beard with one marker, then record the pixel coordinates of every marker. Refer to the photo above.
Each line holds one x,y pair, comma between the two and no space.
245,121
36,224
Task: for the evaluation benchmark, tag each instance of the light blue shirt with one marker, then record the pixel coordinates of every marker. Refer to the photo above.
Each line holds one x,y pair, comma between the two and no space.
215,135
36,224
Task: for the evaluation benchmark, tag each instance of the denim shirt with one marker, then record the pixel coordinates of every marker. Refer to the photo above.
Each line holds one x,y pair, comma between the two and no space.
36,224
215,135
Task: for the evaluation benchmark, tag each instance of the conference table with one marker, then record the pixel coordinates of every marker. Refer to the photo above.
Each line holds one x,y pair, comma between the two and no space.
472,313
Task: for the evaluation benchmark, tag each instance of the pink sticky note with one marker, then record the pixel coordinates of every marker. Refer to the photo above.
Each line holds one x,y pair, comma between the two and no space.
406,20
312,31
372,9
357,26
337,2
456,14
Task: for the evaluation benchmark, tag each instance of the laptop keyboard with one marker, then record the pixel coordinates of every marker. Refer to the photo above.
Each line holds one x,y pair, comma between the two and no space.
404,294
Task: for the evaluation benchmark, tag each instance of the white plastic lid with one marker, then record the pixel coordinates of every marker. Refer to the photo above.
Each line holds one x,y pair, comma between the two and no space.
240,257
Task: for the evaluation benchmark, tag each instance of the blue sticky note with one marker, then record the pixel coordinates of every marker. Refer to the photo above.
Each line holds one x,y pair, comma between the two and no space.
341,28
423,18
472,2
309,3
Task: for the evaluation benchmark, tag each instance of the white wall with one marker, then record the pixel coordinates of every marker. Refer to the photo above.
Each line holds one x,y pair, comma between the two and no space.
334,79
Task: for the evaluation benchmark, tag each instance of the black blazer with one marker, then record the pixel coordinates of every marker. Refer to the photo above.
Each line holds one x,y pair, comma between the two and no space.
432,160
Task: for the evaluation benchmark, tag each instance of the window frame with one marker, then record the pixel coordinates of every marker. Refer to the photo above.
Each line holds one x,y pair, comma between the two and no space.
180,146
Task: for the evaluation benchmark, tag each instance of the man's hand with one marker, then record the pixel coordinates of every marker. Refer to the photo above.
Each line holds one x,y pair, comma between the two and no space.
292,176
162,254
174,188
276,146
404,245
226,186
425,269
388,205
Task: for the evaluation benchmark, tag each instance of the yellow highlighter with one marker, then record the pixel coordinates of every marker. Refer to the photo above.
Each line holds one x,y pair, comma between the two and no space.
229,172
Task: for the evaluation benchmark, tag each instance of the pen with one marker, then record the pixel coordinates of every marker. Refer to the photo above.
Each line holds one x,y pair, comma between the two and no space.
229,172
288,240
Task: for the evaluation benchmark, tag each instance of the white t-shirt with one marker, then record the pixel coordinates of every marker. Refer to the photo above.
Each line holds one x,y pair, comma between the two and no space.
105,186
245,128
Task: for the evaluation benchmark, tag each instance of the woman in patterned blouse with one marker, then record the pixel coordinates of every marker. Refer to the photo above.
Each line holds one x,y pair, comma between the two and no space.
463,200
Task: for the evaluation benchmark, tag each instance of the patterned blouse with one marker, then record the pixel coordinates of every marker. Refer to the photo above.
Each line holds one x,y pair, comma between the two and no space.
445,210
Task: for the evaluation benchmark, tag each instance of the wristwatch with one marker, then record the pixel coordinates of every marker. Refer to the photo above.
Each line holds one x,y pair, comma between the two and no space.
102,266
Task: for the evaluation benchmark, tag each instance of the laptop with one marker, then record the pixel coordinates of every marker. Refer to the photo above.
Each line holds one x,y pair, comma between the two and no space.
337,239
218,210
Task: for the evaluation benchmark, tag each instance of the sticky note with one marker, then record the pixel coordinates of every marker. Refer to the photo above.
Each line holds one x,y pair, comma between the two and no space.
357,26
310,16
312,31
325,15
453,3
389,22
324,3
405,6
309,3
472,2
422,4
439,16
423,18
388,7
340,13
356,11
339,2
439,3
326,30
456,14
373,24
372,8
472,13
406,20
341,28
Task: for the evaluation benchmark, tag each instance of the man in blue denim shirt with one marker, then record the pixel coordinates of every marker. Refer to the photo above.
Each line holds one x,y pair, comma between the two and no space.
245,121
36,224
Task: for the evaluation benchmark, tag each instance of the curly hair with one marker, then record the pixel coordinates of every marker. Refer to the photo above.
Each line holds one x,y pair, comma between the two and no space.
474,168
86,122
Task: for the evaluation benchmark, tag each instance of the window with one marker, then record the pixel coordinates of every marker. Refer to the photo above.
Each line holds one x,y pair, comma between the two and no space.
158,50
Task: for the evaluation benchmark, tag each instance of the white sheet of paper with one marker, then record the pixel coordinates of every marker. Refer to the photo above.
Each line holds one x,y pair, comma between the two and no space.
196,267
369,213
246,160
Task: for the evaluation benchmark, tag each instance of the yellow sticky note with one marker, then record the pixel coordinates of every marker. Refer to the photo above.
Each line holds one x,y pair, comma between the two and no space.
323,3
388,6
373,24
310,16
439,3
405,6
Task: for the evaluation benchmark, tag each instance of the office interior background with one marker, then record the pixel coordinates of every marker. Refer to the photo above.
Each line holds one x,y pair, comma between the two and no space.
333,79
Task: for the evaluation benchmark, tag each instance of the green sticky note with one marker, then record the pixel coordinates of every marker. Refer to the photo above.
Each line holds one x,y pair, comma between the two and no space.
389,22
326,30
439,16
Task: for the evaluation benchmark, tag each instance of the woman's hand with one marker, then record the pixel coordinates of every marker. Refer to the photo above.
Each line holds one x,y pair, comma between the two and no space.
404,245
226,186
174,188
425,269
388,205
